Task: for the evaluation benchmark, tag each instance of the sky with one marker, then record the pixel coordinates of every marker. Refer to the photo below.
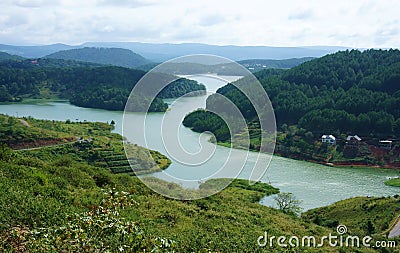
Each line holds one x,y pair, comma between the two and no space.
350,23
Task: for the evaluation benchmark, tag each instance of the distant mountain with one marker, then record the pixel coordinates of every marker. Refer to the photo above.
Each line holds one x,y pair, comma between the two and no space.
34,51
22,63
255,65
5,56
163,52
109,56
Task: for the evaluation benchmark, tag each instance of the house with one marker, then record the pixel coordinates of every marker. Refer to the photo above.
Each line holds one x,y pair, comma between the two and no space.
330,139
385,144
353,140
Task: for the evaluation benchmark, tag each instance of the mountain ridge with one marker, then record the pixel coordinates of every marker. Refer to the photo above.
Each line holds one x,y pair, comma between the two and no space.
166,51
109,56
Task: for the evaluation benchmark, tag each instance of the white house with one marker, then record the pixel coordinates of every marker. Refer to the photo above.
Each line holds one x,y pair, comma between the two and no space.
385,144
328,139
353,140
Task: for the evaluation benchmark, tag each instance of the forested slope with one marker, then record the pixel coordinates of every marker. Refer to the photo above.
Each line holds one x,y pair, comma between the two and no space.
109,56
105,87
345,93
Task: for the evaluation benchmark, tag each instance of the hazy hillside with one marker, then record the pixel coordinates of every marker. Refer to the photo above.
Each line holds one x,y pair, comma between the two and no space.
46,63
34,51
5,56
110,56
163,52
255,65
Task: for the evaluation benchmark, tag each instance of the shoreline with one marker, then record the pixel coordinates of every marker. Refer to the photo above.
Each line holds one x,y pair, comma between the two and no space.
342,164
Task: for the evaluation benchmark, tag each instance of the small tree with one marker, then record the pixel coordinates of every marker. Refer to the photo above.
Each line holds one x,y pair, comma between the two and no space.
6,153
288,203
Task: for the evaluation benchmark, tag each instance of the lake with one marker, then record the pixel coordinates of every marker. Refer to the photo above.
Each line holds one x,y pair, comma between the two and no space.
316,185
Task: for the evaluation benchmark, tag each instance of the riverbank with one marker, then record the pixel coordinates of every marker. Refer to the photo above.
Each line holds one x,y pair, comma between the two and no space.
36,101
341,164
307,158
93,142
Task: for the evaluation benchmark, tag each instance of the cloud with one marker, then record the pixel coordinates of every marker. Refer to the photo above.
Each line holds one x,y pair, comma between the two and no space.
301,15
15,20
358,23
36,3
126,3
388,33
211,19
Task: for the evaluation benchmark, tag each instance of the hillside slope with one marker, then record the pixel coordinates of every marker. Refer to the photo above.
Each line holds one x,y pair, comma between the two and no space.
5,56
346,93
104,87
109,56
361,215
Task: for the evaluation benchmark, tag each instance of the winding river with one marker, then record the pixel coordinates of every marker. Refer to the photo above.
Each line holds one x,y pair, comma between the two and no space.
314,184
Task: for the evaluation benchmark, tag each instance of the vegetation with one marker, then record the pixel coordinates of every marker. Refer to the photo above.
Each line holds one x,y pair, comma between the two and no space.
64,198
393,182
361,215
255,65
288,203
108,56
5,56
345,93
203,120
96,87
82,141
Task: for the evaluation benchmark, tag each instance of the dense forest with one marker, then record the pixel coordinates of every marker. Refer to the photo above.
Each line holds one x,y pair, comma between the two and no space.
349,92
346,93
108,56
105,87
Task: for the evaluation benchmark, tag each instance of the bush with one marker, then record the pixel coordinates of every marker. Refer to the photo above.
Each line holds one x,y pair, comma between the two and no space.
99,230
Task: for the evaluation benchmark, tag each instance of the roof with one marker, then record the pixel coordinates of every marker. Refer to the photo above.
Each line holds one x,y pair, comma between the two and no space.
385,141
325,136
350,137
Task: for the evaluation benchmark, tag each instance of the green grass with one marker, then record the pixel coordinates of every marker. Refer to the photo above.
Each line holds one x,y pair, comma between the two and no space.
361,215
53,199
393,182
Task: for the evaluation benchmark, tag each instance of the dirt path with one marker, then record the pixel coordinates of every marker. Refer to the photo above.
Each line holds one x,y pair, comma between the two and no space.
24,122
47,146
395,232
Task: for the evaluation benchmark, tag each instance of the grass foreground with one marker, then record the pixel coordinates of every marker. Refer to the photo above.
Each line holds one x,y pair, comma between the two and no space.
70,198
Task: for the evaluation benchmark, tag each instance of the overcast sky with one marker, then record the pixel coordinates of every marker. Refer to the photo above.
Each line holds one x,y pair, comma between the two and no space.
353,23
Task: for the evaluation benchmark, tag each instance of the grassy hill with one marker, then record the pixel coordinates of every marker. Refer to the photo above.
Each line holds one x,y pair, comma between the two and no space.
65,198
108,56
361,215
